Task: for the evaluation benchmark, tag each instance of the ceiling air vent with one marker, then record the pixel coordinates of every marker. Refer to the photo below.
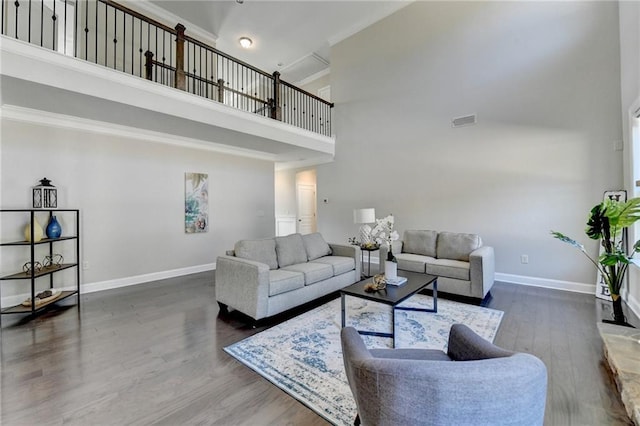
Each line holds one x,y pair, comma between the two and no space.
467,120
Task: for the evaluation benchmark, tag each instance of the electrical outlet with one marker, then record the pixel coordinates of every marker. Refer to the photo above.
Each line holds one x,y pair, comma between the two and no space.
85,265
524,258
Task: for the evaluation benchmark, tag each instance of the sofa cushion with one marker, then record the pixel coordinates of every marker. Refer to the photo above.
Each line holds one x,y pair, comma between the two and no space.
340,264
420,242
412,262
313,272
281,281
315,246
457,246
290,250
263,251
449,268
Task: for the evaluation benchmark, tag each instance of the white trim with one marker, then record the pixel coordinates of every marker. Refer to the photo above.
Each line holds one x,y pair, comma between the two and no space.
51,119
169,19
313,77
359,26
119,282
546,283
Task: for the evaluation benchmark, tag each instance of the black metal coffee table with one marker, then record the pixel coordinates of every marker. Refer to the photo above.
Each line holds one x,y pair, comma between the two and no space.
392,296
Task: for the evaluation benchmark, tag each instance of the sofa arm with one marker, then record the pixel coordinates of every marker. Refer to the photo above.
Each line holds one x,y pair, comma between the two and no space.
243,285
349,250
482,271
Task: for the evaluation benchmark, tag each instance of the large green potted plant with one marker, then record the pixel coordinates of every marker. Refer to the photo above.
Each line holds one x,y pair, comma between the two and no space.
606,222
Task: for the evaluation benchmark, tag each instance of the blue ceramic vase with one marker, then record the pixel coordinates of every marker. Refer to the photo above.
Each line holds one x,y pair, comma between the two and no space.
54,230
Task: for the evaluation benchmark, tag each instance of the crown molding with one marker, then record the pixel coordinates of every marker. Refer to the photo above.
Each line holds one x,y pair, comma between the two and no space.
170,19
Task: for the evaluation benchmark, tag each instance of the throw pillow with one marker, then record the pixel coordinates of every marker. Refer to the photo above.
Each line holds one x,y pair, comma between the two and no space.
457,246
420,242
263,251
315,246
290,250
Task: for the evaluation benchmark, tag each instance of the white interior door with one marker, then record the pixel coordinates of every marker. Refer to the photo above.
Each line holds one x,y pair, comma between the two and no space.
306,197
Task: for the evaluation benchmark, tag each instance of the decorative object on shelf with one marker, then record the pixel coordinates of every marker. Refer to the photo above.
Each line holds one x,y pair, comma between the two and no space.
53,260
32,266
378,283
54,230
45,195
364,217
37,231
606,223
196,203
43,297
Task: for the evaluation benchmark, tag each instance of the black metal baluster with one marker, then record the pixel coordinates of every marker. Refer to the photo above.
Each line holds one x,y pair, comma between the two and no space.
86,30
41,23
17,5
53,25
65,27
28,25
106,34
140,48
133,35
2,18
124,42
115,37
95,52
75,29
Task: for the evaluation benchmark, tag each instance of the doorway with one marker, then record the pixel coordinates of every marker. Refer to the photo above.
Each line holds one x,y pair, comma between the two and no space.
306,208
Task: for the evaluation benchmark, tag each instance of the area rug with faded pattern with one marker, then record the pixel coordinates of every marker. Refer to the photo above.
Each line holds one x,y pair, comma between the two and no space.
303,355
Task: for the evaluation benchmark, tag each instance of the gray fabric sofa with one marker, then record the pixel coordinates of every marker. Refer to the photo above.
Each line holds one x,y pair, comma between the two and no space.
473,383
261,278
462,264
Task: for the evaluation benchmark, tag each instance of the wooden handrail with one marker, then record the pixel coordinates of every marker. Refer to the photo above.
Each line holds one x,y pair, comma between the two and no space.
138,15
311,95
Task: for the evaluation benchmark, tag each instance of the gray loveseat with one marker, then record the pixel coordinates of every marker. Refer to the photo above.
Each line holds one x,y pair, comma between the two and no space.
462,264
261,278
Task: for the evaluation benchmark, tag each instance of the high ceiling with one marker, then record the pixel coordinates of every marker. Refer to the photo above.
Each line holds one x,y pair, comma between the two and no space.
293,37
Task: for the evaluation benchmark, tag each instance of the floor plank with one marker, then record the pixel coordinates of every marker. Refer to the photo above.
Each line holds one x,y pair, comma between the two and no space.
152,353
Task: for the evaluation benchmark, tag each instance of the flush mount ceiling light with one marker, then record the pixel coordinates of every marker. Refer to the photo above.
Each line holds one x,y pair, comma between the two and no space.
245,42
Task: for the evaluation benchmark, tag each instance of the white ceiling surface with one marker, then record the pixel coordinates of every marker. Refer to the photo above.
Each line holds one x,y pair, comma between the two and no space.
295,34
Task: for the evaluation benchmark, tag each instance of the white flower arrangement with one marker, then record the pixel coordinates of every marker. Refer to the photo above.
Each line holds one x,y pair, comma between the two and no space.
383,231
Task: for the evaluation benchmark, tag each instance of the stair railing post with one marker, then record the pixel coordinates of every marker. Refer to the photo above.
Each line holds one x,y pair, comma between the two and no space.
221,90
276,111
180,80
148,65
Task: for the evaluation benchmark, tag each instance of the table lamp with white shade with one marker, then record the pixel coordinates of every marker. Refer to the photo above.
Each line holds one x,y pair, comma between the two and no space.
363,217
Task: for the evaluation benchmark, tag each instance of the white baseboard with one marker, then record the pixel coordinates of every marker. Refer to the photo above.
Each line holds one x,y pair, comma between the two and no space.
119,282
633,304
546,283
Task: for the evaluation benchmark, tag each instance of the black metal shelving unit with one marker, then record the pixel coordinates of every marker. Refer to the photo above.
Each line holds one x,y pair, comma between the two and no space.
32,275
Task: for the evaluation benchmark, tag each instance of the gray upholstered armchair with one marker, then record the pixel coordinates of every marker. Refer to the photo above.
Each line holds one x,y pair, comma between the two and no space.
475,382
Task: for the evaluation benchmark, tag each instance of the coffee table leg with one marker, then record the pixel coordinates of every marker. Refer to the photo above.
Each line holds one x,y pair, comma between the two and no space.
343,308
435,296
393,326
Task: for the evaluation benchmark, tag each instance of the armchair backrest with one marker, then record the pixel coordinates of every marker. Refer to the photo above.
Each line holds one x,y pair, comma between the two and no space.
507,390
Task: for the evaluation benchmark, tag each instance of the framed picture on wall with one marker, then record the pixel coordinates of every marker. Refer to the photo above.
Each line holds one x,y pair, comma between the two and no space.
196,202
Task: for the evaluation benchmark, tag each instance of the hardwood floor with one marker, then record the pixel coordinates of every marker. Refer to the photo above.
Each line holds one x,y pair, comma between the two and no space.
152,353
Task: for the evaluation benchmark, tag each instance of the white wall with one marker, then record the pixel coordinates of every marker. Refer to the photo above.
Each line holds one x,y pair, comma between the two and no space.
544,79
630,94
131,196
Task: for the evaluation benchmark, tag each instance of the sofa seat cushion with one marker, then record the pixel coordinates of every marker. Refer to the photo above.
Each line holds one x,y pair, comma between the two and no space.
281,281
313,272
456,246
340,264
263,251
315,246
290,250
449,268
413,262
420,242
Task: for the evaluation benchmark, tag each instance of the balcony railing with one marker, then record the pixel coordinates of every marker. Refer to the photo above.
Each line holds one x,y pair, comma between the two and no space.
114,36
